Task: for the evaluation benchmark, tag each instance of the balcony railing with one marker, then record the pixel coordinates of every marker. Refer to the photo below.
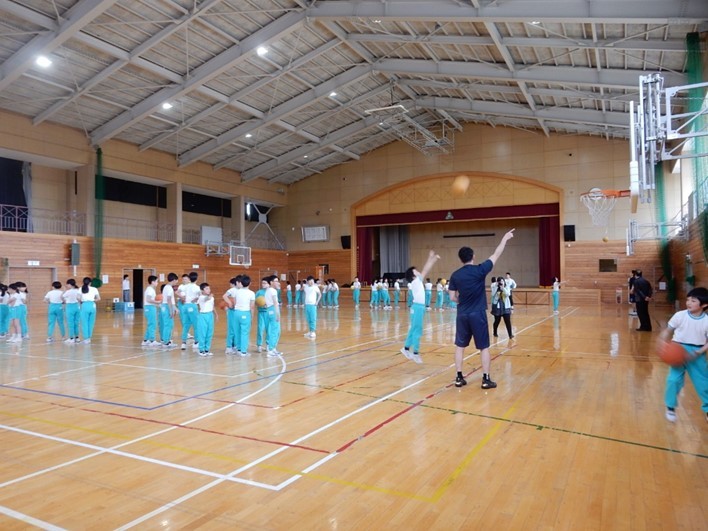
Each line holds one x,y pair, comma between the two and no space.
73,223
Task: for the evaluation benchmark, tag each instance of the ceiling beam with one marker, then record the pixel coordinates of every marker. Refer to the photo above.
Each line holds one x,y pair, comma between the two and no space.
558,114
200,75
568,11
634,44
281,111
613,79
296,155
81,14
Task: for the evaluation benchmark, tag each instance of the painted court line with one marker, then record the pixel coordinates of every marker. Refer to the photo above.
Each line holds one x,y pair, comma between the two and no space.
29,519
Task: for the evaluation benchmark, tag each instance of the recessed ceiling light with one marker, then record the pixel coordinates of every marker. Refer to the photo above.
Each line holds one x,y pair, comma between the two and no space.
304,157
261,50
535,22
333,94
43,61
248,135
167,105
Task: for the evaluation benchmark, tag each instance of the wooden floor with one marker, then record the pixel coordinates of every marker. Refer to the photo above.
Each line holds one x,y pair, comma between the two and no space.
345,433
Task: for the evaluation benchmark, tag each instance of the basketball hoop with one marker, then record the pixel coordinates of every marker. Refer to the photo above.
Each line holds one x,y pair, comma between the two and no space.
600,204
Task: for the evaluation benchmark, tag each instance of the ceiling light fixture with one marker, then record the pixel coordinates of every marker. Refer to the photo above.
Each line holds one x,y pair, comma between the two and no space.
333,94
43,61
248,135
166,106
535,22
261,50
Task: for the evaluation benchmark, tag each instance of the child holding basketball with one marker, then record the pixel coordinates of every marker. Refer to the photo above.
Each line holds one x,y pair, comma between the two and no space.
262,313
688,327
205,326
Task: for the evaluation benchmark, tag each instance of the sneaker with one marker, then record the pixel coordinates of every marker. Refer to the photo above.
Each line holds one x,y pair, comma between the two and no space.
203,354
259,348
416,357
26,338
168,346
183,347
49,340
195,346
460,381
670,414
145,343
70,340
274,353
229,350
87,341
487,383
155,344
406,353
210,353
243,353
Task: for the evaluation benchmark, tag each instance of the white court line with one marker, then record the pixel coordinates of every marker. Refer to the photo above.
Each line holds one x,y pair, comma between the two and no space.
29,519
127,443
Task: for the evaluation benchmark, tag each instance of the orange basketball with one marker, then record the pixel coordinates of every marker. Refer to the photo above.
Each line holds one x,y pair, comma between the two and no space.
460,185
672,353
158,298
224,305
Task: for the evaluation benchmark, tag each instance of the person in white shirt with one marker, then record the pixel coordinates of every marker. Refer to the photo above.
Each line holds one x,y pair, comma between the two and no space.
289,294
168,310
384,297
180,296
244,305
312,298
72,298
396,293
273,309
126,288
439,290
356,291
191,320
298,294
205,328
55,313
428,293
15,300
150,304
230,299
511,284
416,291
89,298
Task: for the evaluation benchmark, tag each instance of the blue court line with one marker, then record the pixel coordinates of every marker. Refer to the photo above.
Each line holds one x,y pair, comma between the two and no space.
199,395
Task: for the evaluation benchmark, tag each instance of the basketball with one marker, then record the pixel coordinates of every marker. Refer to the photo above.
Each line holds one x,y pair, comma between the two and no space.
260,301
672,353
224,305
605,239
460,185
158,298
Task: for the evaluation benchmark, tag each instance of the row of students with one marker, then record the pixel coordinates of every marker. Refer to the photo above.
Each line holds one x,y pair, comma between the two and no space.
329,293
13,312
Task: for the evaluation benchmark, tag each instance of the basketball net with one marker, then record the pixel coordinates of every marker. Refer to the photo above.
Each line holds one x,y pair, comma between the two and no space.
599,205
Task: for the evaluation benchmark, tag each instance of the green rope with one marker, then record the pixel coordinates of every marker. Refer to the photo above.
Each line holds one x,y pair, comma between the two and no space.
98,219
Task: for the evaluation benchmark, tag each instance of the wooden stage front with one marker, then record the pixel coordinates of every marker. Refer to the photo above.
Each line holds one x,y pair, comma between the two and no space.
345,433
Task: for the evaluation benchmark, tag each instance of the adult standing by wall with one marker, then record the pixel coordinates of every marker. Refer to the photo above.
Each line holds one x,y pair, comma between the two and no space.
468,288
642,295
126,288
511,284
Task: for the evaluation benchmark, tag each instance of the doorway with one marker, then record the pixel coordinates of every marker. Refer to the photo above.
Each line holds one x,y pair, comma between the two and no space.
39,281
137,284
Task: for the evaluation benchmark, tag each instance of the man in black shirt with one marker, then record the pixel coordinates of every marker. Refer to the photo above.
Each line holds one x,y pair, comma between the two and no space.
642,295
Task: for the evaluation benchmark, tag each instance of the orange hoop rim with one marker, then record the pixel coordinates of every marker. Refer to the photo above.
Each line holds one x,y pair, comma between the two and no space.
608,193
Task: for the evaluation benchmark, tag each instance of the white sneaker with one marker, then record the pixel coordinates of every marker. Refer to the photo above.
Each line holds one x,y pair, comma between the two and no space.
204,354
274,353
260,348
87,341
195,346
416,358
50,340
184,346
155,344
313,335
670,415
70,340
229,350
209,354
406,353
145,343
243,353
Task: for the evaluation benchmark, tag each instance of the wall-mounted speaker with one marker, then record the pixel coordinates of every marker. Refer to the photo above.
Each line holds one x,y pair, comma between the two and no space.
346,242
569,233
75,254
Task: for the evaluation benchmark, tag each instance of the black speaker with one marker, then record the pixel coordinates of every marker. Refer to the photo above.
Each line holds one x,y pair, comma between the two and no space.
346,242
569,233
75,254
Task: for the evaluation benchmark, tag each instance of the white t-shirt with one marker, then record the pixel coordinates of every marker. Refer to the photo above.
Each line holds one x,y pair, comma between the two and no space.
126,285
72,296
428,286
4,299
91,296
416,287
511,283
356,285
297,287
244,300
206,303
191,293
23,298
54,296
439,287
168,294
150,296
15,300
271,297
181,291
397,286
311,294
231,294
689,329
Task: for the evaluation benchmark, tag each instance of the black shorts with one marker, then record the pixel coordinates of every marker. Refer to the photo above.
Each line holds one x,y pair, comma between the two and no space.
472,325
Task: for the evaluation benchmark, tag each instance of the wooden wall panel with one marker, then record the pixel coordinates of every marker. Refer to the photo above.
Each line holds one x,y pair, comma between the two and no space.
303,263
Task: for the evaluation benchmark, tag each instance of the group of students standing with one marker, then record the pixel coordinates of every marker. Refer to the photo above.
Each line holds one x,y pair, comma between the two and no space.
71,309
329,293
195,305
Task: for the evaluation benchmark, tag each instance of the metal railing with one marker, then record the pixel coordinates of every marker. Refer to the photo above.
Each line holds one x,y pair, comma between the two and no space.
22,219
136,229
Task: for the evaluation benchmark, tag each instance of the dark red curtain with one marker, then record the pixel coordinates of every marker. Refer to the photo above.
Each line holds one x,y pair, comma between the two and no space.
548,250
364,253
